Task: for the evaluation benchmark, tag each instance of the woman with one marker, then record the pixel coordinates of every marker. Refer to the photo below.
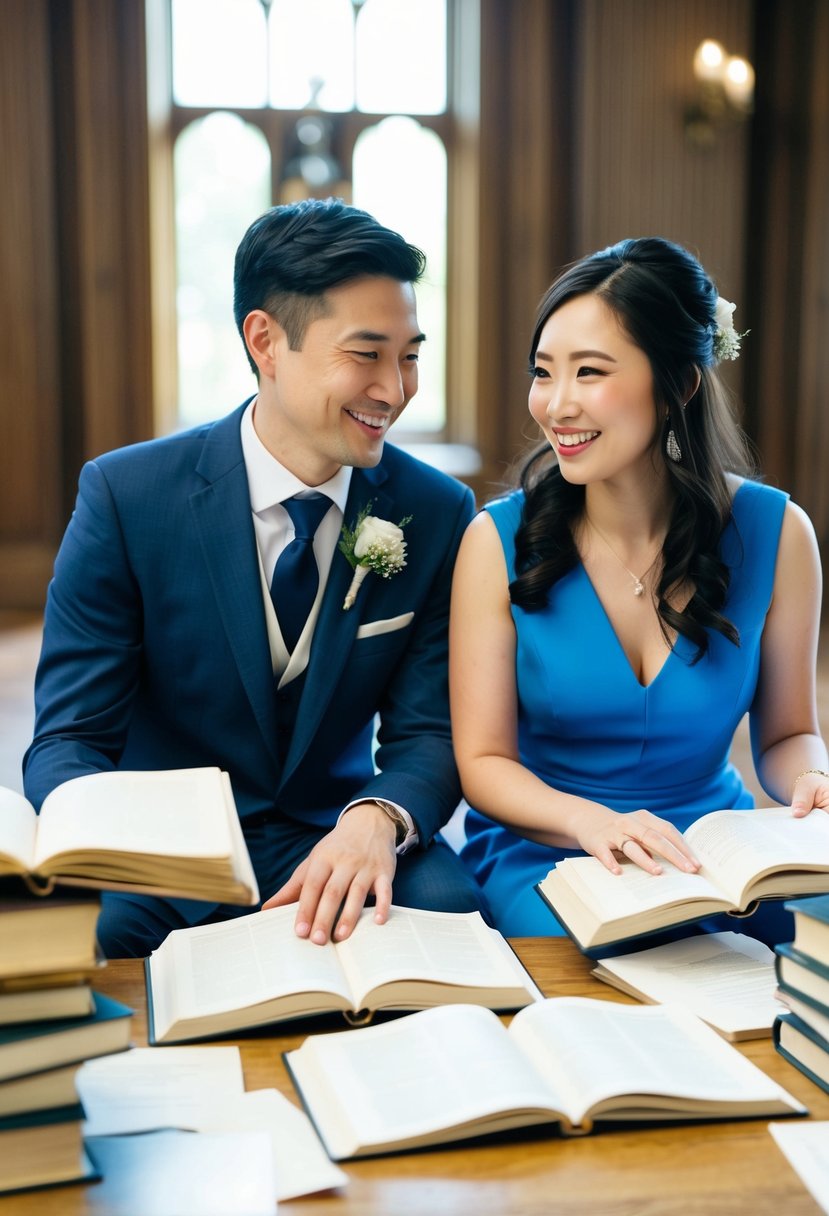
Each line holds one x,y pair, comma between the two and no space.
615,617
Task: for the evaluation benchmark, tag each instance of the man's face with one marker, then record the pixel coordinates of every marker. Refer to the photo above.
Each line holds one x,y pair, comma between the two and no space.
332,402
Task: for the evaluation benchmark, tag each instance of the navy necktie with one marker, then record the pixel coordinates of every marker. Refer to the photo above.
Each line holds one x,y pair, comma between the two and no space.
296,577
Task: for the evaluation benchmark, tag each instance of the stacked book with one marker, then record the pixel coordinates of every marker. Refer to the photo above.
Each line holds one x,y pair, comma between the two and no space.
801,1033
51,1020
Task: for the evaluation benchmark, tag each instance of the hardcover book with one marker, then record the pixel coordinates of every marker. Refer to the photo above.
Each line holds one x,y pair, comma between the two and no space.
41,936
456,1072
43,1149
173,832
746,856
213,979
811,926
802,1046
40,1045
801,974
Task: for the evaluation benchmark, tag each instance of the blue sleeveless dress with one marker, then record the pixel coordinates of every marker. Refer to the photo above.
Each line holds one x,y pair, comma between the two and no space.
588,727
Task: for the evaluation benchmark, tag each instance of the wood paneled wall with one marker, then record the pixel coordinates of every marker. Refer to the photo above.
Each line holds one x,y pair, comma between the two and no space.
75,318
787,255
584,143
30,390
575,138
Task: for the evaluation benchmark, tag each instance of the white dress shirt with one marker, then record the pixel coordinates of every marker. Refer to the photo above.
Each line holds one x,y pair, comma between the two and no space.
270,484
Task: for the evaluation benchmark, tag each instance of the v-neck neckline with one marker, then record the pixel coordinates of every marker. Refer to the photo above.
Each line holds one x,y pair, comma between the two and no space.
617,640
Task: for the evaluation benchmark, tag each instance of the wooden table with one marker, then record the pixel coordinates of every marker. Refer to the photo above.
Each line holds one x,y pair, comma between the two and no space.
718,1169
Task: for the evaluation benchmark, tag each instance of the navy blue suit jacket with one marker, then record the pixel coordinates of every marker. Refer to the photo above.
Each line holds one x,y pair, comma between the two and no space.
155,651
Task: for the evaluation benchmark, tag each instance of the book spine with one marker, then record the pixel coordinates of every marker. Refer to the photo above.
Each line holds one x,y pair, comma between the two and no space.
787,1055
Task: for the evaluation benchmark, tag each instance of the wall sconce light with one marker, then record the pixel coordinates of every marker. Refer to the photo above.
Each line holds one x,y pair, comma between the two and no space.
725,93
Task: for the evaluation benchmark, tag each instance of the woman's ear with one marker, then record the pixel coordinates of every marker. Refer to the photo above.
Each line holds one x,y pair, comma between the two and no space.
262,334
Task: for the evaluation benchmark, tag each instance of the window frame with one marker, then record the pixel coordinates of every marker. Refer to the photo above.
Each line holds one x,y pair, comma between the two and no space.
453,445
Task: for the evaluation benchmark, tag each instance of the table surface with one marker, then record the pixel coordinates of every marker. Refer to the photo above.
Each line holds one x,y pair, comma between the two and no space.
712,1168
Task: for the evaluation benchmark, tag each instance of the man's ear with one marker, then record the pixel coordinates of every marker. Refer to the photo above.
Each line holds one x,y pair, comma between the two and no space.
262,335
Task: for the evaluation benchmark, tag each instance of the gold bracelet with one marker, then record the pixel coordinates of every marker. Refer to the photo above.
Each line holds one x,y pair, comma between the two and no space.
817,771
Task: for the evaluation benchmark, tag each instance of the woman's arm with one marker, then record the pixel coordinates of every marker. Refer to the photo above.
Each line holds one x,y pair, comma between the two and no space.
785,732
484,728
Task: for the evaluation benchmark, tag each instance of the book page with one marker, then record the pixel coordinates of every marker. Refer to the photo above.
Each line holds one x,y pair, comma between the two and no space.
614,896
592,1050
238,963
300,1164
806,1147
143,1089
18,828
736,846
727,979
243,870
443,947
175,813
429,1071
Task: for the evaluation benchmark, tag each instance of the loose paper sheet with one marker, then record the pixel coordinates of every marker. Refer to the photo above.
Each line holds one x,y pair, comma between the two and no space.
726,978
173,1173
202,1089
806,1145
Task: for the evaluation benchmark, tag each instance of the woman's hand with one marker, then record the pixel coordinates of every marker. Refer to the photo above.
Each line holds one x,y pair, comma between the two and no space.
811,792
640,837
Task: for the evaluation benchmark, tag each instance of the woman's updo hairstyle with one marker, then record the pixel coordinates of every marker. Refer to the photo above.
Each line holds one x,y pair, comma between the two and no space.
661,296
666,304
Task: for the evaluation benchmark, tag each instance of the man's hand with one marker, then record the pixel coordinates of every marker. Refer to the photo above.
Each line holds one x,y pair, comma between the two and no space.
353,860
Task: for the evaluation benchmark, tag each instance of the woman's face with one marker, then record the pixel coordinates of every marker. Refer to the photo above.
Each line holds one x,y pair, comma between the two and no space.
592,394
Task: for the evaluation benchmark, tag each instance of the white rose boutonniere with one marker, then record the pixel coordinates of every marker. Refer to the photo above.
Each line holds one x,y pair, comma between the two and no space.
726,338
372,544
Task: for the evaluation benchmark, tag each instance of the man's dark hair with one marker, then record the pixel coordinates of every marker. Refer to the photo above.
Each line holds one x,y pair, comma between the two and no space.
293,254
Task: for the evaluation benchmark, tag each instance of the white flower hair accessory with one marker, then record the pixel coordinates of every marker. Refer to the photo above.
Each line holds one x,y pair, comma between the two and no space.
726,339
372,544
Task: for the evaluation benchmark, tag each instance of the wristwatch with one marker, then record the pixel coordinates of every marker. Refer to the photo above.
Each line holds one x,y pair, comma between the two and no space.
404,836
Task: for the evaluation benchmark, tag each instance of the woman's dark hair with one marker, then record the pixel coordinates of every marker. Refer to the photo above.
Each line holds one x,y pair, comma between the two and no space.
293,254
665,302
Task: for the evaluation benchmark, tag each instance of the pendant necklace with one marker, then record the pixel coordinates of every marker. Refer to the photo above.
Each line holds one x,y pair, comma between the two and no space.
638,582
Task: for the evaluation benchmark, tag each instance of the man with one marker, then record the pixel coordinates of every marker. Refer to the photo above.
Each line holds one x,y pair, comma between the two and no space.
168,641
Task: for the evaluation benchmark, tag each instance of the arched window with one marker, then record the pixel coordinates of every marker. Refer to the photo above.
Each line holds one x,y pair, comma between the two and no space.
399,174
223,179
275,100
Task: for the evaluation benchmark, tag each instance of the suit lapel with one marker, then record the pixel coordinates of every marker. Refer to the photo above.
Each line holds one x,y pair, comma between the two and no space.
336,628
222,516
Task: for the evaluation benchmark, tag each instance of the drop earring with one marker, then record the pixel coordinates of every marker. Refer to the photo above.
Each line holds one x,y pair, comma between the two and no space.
672,448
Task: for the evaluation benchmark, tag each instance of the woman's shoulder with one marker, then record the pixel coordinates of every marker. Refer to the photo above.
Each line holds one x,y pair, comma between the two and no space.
505,514
506,509
751,497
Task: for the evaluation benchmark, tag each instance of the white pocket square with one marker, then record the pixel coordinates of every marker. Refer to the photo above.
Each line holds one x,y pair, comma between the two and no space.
391,623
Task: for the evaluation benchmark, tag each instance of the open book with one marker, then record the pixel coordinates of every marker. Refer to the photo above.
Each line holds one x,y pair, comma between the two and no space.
727,979
746,856
173,832
213,979
457,1072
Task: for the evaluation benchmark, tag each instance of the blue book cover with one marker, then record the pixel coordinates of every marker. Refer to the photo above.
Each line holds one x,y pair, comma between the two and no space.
815,906
35,1046
802,977
803,1047
811,926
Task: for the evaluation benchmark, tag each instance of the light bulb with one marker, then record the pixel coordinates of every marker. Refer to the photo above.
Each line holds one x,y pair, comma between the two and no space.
709,60
738,82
